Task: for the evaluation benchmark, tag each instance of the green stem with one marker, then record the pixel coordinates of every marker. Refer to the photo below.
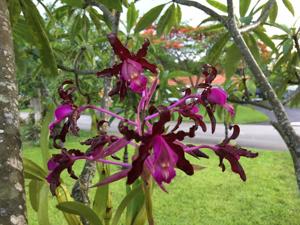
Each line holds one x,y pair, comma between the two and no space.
147,186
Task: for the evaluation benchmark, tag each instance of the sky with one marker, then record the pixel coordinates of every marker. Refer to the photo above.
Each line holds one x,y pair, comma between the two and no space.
193,16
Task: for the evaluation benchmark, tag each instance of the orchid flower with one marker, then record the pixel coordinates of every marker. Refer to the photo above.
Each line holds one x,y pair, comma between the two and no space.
130,70
230,152
158,151
58,163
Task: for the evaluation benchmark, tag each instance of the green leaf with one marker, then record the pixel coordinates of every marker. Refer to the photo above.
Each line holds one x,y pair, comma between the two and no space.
148,191
85,26
282,27
218,5
273,12
34,188
42,215
244,6
44,138
124,203
178,15
215,51
35,23
14,11
102,193
265,39
232,59
179,73
63,195
132,15
74,3
287,46
212,28
289,6
112,4
141,216
80,209
96,18
246,20
252,44
281,60
148,18
33,170
76,26
167,20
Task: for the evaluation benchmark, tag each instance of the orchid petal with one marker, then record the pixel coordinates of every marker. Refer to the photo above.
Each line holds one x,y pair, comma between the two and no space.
110,71
143,51
139,84
115,147
61,112
147,65
217,96
119,49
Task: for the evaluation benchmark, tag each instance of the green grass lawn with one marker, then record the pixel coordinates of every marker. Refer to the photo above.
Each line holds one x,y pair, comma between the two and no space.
212,197
244,115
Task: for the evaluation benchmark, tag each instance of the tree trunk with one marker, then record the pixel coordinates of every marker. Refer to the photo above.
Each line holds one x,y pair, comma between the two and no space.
12,193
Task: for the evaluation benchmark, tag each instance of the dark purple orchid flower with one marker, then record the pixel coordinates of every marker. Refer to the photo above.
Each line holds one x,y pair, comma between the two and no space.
192,111
217,96
233,153
158,152
213,96
230,152
60,162
98,143
101,147
130,70
67,110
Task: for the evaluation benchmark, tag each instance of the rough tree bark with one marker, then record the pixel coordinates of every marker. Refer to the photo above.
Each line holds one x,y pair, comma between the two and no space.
282,125
12,193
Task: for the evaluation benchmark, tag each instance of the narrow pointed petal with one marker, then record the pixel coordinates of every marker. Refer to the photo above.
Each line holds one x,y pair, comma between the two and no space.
138,163
212,119
182,162
115,70
147,65
164,117
143,51
115,147
229,109
120,50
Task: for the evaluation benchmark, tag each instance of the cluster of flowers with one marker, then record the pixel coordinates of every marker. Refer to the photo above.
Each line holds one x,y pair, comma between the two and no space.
159,150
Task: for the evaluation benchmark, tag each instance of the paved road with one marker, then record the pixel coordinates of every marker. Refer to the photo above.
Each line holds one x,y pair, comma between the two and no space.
255,136
293,114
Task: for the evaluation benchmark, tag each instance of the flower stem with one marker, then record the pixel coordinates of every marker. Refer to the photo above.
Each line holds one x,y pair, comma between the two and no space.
174,105
108,112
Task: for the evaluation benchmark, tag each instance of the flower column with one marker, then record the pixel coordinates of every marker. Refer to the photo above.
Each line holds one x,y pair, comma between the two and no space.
12,193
